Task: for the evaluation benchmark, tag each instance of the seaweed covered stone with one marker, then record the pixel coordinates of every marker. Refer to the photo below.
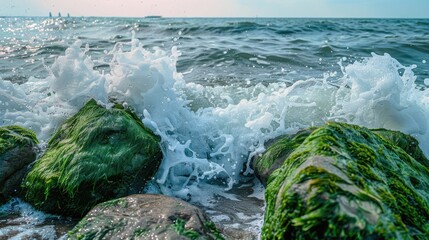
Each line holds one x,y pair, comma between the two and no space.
18,149
96,155
276,155
347,182
145,216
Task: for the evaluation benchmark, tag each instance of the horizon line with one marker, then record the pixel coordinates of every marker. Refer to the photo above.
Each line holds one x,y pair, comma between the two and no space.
208,17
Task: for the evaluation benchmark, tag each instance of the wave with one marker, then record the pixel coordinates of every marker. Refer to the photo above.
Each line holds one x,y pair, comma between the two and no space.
210,133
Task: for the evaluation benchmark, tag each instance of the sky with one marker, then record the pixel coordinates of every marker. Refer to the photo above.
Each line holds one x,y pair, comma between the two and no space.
220,8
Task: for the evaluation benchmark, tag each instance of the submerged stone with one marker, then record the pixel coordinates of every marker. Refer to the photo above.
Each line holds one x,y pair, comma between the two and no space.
97,155
18,148
346,182
145,216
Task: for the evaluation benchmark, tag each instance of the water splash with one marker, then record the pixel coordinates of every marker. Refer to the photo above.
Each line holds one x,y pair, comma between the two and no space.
210,133
379,92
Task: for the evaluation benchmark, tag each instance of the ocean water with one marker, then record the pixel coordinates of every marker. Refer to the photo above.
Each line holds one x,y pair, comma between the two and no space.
215,90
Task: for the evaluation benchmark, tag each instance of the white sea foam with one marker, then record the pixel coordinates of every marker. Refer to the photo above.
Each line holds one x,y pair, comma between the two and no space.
379,92
209,133
43,104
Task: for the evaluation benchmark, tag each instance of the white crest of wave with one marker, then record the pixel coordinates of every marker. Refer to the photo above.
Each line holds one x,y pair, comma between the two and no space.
209,134
43,104
379,92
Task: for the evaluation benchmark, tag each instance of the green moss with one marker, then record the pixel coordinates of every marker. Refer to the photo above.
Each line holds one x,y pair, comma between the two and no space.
275,155
13,136
18,149
318,174
140,232
359,186
362,152
408,203
179,227
84,231
213,231
96,155
319,216
121,202
409,144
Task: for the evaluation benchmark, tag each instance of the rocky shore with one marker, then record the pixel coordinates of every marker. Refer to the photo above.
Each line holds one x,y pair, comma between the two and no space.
336,181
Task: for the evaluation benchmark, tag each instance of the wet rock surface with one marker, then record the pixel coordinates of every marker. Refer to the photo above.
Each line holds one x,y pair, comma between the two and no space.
18,148
96,155
346,182
145,216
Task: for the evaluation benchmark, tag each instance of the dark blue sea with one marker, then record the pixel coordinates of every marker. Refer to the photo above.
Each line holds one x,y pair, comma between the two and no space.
214,89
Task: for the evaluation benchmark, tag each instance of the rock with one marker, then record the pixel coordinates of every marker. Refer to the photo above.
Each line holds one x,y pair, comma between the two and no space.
346,182
276,155
97,155
408,143
145,216
238,234
18,148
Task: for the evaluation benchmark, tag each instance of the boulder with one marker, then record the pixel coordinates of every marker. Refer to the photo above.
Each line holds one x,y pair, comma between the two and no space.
18,148
346,182
145,216
408,143
97,155
276,155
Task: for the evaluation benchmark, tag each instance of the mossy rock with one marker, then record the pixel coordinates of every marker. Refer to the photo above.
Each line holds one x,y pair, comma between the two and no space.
18,148
276,155
145,216
346,182
97,155
408,143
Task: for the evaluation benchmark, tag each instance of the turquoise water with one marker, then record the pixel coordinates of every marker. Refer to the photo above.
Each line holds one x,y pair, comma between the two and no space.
215,90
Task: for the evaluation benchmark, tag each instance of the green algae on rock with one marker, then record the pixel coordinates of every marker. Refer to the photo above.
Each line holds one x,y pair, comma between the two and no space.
408,143
275,156
145,216
346,182
97,155
18,148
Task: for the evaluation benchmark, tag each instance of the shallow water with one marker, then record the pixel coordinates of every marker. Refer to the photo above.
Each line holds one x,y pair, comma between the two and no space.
216,90
19,220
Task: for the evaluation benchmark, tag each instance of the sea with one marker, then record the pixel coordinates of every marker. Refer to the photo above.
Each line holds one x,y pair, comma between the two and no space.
215,90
